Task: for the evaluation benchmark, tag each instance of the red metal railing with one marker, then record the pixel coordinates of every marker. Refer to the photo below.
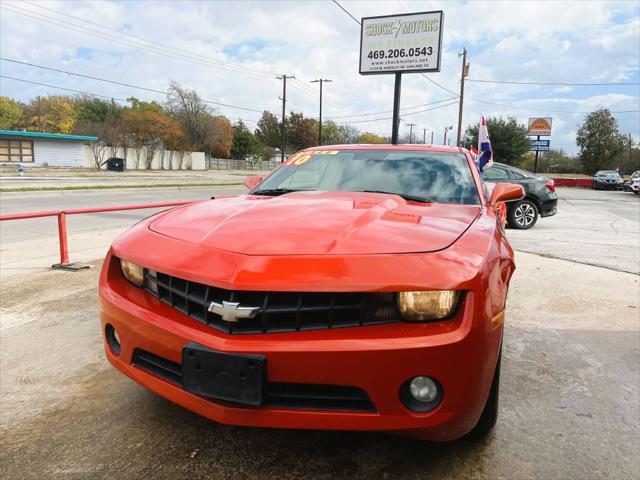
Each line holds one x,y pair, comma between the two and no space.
62,221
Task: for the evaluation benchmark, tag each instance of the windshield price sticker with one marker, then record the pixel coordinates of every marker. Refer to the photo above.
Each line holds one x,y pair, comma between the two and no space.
401,43
301,158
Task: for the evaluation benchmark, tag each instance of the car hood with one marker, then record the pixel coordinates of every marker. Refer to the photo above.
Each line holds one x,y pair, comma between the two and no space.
313,223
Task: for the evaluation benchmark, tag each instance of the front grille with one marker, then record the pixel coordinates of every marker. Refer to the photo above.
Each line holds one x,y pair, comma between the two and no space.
279,311
277,394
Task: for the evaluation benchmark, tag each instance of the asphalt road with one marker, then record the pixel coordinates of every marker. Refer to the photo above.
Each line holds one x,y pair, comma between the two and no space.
570,386
593,227
17,202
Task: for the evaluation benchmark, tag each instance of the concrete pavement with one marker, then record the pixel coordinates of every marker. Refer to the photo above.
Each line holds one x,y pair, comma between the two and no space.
569,397
592,227
570,390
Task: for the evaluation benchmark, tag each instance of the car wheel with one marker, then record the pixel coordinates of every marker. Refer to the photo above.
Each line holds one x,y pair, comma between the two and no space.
523,215
489,415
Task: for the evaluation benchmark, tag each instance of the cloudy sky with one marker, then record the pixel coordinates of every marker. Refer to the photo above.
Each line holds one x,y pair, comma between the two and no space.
230,52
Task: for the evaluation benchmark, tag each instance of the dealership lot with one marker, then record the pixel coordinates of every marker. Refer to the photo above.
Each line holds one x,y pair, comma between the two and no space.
570,381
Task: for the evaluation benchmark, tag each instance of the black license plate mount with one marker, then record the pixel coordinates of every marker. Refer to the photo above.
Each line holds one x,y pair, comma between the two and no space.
231,377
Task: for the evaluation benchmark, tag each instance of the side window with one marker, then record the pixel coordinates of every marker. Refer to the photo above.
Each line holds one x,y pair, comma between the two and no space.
495,174
517,176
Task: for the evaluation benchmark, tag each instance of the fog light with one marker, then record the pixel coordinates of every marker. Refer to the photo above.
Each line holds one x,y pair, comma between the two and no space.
112,339
423,389
421,394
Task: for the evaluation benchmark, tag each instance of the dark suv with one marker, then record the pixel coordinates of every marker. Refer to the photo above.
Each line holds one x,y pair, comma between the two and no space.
540,195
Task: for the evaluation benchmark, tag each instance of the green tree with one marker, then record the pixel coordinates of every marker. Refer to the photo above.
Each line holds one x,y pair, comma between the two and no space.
51,114
367,137
142,106
599,141
332,134
509,139
98,110
268,130
11,114
300,132
629,159
244,144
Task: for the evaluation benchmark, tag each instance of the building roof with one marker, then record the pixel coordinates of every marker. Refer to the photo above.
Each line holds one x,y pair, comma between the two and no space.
51,136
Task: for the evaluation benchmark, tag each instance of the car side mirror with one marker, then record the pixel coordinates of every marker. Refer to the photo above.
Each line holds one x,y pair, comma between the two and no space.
506,192
252,181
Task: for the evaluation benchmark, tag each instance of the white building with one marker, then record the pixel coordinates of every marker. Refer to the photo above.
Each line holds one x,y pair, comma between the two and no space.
36,148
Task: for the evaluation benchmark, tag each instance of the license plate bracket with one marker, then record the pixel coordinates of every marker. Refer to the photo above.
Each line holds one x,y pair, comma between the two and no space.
231,377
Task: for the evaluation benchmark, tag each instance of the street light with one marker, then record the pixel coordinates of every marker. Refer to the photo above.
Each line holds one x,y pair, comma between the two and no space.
446,129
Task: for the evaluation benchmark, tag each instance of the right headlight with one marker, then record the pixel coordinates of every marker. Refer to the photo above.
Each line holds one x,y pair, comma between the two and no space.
132,272
423,306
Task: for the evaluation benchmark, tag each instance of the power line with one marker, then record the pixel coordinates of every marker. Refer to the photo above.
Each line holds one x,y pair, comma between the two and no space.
559,84
404,115
65,89
347,12
495,103
544,110
144,39
390,111
441,86
81,92
129,43
122,83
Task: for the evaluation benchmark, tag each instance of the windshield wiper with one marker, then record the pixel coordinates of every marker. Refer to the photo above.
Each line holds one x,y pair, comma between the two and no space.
411,198
273,191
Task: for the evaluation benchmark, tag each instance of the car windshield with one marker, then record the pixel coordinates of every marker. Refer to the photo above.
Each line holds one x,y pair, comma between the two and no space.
606,174
415,175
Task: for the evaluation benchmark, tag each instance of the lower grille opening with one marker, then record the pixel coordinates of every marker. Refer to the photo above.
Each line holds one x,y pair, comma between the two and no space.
303,396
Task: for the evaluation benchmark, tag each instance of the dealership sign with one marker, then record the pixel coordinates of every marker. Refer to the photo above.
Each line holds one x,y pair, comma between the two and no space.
540,145
401,43
540,126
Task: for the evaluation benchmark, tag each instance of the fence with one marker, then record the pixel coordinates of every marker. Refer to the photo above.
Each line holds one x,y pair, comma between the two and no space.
573,182
232,164
62,225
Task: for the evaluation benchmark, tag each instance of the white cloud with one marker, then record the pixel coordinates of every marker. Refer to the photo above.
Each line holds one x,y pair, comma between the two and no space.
523,41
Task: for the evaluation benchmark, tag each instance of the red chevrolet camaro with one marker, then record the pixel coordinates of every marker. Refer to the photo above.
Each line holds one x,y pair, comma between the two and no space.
357,287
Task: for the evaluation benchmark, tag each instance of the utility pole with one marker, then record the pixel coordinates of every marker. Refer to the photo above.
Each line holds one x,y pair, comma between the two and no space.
397,87
463,75
321,81
424,136
411,125
283,77
431,137
446,129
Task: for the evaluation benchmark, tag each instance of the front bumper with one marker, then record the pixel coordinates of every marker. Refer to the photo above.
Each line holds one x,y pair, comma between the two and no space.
607,185
460,353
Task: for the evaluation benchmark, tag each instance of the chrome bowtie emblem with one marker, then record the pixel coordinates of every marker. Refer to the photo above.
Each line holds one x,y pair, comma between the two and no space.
232,311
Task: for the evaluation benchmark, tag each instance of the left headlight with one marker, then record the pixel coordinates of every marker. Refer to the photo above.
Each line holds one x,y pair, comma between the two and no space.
132,272
424,306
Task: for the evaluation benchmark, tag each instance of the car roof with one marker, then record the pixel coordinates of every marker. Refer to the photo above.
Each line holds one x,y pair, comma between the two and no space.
526,173
387,146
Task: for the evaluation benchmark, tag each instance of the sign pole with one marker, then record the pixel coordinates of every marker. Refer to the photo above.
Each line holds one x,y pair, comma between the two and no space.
535,164
396,109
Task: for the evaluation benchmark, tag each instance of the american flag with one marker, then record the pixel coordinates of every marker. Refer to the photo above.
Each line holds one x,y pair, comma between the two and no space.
485,159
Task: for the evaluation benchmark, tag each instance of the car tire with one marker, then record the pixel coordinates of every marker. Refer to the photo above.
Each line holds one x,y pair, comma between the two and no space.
522,215
489,416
